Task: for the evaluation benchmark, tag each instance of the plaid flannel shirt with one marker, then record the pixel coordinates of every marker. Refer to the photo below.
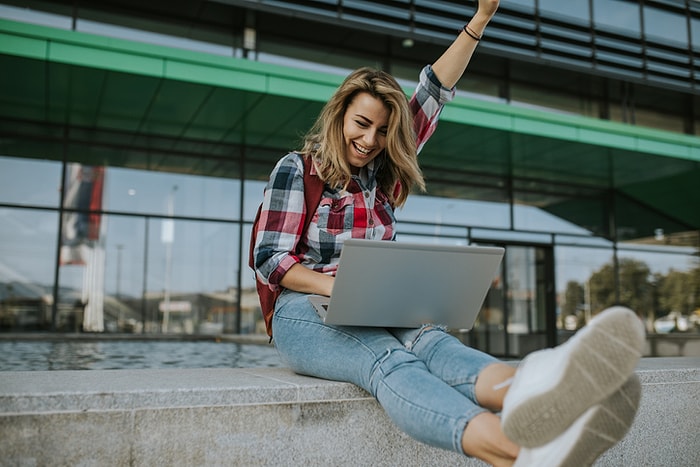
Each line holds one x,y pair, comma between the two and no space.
360,211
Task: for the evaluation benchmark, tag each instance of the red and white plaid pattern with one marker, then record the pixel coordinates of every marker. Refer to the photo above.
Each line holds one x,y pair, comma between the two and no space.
360,211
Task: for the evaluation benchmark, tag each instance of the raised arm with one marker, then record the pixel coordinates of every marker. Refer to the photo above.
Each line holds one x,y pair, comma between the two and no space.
450,67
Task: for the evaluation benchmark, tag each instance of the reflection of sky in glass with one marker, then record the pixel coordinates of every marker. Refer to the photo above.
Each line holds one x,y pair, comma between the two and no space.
483,214
109,30
205,253
662,26
35,17
523,5
617,15
453,211
27,245
102,29
30,182
143,192
572,9
27,238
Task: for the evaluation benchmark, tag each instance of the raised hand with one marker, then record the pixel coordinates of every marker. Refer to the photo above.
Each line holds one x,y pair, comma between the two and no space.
488,7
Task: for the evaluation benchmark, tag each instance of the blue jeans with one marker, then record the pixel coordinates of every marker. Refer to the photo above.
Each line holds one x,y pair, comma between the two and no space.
423,378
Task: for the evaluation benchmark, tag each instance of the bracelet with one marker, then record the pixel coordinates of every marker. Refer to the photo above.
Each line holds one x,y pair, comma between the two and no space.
470,32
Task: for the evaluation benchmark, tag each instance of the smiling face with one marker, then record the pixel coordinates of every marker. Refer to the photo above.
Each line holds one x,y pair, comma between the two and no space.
364,130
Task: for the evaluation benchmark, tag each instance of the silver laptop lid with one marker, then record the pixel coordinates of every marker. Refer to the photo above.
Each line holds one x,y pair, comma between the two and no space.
400,284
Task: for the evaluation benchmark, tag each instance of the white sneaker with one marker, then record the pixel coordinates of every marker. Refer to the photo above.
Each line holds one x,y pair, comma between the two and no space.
554,387
596,431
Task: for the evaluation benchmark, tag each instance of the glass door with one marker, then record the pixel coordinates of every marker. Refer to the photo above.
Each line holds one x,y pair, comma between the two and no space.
518,314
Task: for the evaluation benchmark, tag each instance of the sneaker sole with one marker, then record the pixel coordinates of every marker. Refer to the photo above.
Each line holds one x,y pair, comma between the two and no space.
600,363
607,425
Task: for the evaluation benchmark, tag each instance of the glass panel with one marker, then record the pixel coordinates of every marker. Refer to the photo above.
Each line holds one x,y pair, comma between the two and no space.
576,9
433,240
522,5
695,33
630,47
152,275
632,63
574,267
480,87
549,98
27,259
251,316
137,191
637,221
488,333
104,278
149,37
634,289
534,219
459,234
512,236
521,278
566,41
512,321
319,57
617,15
61,18
454,211
124,273
192,275
398,12
29,182
588,210
583,241
665,27
253,196
661,286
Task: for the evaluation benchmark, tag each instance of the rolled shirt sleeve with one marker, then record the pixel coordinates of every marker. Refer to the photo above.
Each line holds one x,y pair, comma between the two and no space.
281,221
427,103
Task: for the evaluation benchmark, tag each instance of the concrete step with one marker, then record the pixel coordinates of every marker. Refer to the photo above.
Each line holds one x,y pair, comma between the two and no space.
266,416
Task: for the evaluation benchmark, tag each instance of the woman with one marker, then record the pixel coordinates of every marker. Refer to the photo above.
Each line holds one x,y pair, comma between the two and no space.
556,409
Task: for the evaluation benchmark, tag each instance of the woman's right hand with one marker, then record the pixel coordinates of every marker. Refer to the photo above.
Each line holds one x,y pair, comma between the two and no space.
487,7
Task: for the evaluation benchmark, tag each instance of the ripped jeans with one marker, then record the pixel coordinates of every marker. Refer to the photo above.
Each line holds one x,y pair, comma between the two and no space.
423,378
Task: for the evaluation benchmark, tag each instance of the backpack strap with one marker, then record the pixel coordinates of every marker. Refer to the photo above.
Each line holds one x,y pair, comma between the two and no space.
313,190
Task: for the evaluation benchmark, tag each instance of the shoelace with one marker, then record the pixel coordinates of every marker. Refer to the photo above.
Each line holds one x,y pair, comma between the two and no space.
505,383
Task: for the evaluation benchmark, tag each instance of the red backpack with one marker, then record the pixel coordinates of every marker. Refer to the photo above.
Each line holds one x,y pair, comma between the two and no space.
313,190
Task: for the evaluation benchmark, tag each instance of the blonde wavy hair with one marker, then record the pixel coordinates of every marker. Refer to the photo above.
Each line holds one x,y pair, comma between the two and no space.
399,171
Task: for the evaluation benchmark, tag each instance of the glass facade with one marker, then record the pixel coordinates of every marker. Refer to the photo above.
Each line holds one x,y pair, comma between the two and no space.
170,256
150,234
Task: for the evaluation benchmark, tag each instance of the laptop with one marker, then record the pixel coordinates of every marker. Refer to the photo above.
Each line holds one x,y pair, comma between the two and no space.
405,285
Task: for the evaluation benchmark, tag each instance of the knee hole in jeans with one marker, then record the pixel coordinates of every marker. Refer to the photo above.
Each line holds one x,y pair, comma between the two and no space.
426,328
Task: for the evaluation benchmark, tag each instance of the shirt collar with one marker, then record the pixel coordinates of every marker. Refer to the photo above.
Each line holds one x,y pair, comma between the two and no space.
368,173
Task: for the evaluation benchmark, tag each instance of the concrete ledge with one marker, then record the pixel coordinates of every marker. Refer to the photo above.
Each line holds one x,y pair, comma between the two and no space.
274,417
